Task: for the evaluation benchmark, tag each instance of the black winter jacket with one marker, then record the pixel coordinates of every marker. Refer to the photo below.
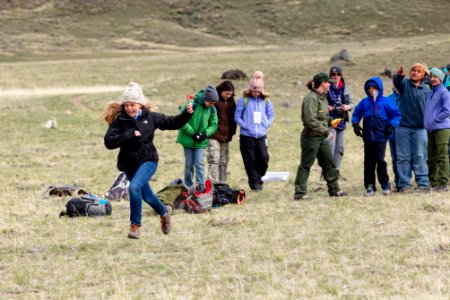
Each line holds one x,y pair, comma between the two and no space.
136,150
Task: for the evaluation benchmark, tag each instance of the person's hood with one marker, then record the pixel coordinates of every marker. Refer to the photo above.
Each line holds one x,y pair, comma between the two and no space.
377,82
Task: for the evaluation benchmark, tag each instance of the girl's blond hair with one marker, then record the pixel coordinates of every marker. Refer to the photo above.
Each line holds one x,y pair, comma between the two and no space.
248,93
112,110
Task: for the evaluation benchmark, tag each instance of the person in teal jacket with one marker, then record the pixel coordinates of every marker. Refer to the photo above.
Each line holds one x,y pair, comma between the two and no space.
193,136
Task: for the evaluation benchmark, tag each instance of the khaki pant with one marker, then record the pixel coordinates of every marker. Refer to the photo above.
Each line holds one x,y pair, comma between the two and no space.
218,155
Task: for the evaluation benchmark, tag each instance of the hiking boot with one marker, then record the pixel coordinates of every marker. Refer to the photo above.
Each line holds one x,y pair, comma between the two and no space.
370,191
404,190
302,197
339,194
165,220
134,231
256,187
386,190
424,189
440,188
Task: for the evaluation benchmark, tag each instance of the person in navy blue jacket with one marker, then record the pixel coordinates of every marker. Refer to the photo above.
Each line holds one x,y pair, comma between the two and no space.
380,117
339,105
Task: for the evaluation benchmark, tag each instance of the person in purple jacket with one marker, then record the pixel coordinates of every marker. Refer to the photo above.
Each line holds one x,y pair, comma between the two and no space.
254,114
437,124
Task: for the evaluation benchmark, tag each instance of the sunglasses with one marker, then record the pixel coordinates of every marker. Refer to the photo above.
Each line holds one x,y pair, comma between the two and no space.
335,74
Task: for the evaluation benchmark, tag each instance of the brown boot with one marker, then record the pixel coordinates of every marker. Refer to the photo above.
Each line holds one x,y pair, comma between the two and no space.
134,231
165,220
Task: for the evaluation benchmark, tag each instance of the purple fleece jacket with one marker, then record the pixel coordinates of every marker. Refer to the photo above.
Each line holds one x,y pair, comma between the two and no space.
437,109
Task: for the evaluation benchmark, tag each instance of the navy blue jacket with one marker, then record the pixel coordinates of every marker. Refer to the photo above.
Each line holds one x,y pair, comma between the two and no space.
378,114
411,101
336,97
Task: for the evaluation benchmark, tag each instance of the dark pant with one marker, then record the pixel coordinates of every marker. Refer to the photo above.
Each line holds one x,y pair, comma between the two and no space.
255,155
315,147
394,160
438,164
374,160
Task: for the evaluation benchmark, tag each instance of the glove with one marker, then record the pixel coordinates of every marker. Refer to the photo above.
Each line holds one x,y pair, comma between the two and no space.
357,129
202,137
389,130
196,137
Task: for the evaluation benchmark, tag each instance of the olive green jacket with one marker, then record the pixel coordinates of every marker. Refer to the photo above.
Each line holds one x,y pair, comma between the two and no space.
315,116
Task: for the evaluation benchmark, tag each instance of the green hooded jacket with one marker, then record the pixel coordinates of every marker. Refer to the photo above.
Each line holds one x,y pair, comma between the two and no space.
204,120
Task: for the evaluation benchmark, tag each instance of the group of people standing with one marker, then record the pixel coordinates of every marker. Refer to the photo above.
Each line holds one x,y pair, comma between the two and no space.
208,121
415,119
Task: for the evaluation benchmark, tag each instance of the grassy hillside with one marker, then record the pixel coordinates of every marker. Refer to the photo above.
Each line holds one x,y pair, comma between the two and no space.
81,27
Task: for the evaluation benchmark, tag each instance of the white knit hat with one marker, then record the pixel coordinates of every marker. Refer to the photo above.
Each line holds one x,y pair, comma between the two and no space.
133,93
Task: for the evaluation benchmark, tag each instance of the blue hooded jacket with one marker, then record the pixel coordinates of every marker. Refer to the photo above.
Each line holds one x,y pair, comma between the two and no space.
378,114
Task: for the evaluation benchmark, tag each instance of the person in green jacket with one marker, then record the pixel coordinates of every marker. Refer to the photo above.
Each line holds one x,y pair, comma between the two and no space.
193,136
314,138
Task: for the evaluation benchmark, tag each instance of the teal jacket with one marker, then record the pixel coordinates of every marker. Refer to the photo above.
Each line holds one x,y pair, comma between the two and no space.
204,119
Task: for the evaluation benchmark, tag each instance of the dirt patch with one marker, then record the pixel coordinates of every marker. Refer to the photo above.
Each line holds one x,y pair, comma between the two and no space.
59,91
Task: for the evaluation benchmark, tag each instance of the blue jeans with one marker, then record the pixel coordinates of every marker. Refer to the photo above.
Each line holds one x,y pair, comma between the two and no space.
194,158
392,146
139,190
411,145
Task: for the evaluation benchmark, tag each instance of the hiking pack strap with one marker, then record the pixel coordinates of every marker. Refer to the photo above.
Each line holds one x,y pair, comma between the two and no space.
246,102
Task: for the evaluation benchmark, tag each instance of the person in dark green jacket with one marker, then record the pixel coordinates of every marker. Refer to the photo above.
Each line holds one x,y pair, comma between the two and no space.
193,136
314,139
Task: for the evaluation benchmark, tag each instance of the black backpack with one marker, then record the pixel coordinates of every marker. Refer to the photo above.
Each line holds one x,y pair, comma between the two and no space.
87,205
224,194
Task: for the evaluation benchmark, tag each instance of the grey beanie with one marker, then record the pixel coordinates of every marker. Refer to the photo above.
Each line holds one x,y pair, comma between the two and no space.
210,94
438,73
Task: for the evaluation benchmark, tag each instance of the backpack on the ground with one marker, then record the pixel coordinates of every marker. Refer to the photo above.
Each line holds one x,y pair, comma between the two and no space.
192,199
195,201
224,194
87,205
204,199
173,193
119,188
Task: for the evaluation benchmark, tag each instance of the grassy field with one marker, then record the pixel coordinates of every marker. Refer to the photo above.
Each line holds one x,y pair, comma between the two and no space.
272,247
